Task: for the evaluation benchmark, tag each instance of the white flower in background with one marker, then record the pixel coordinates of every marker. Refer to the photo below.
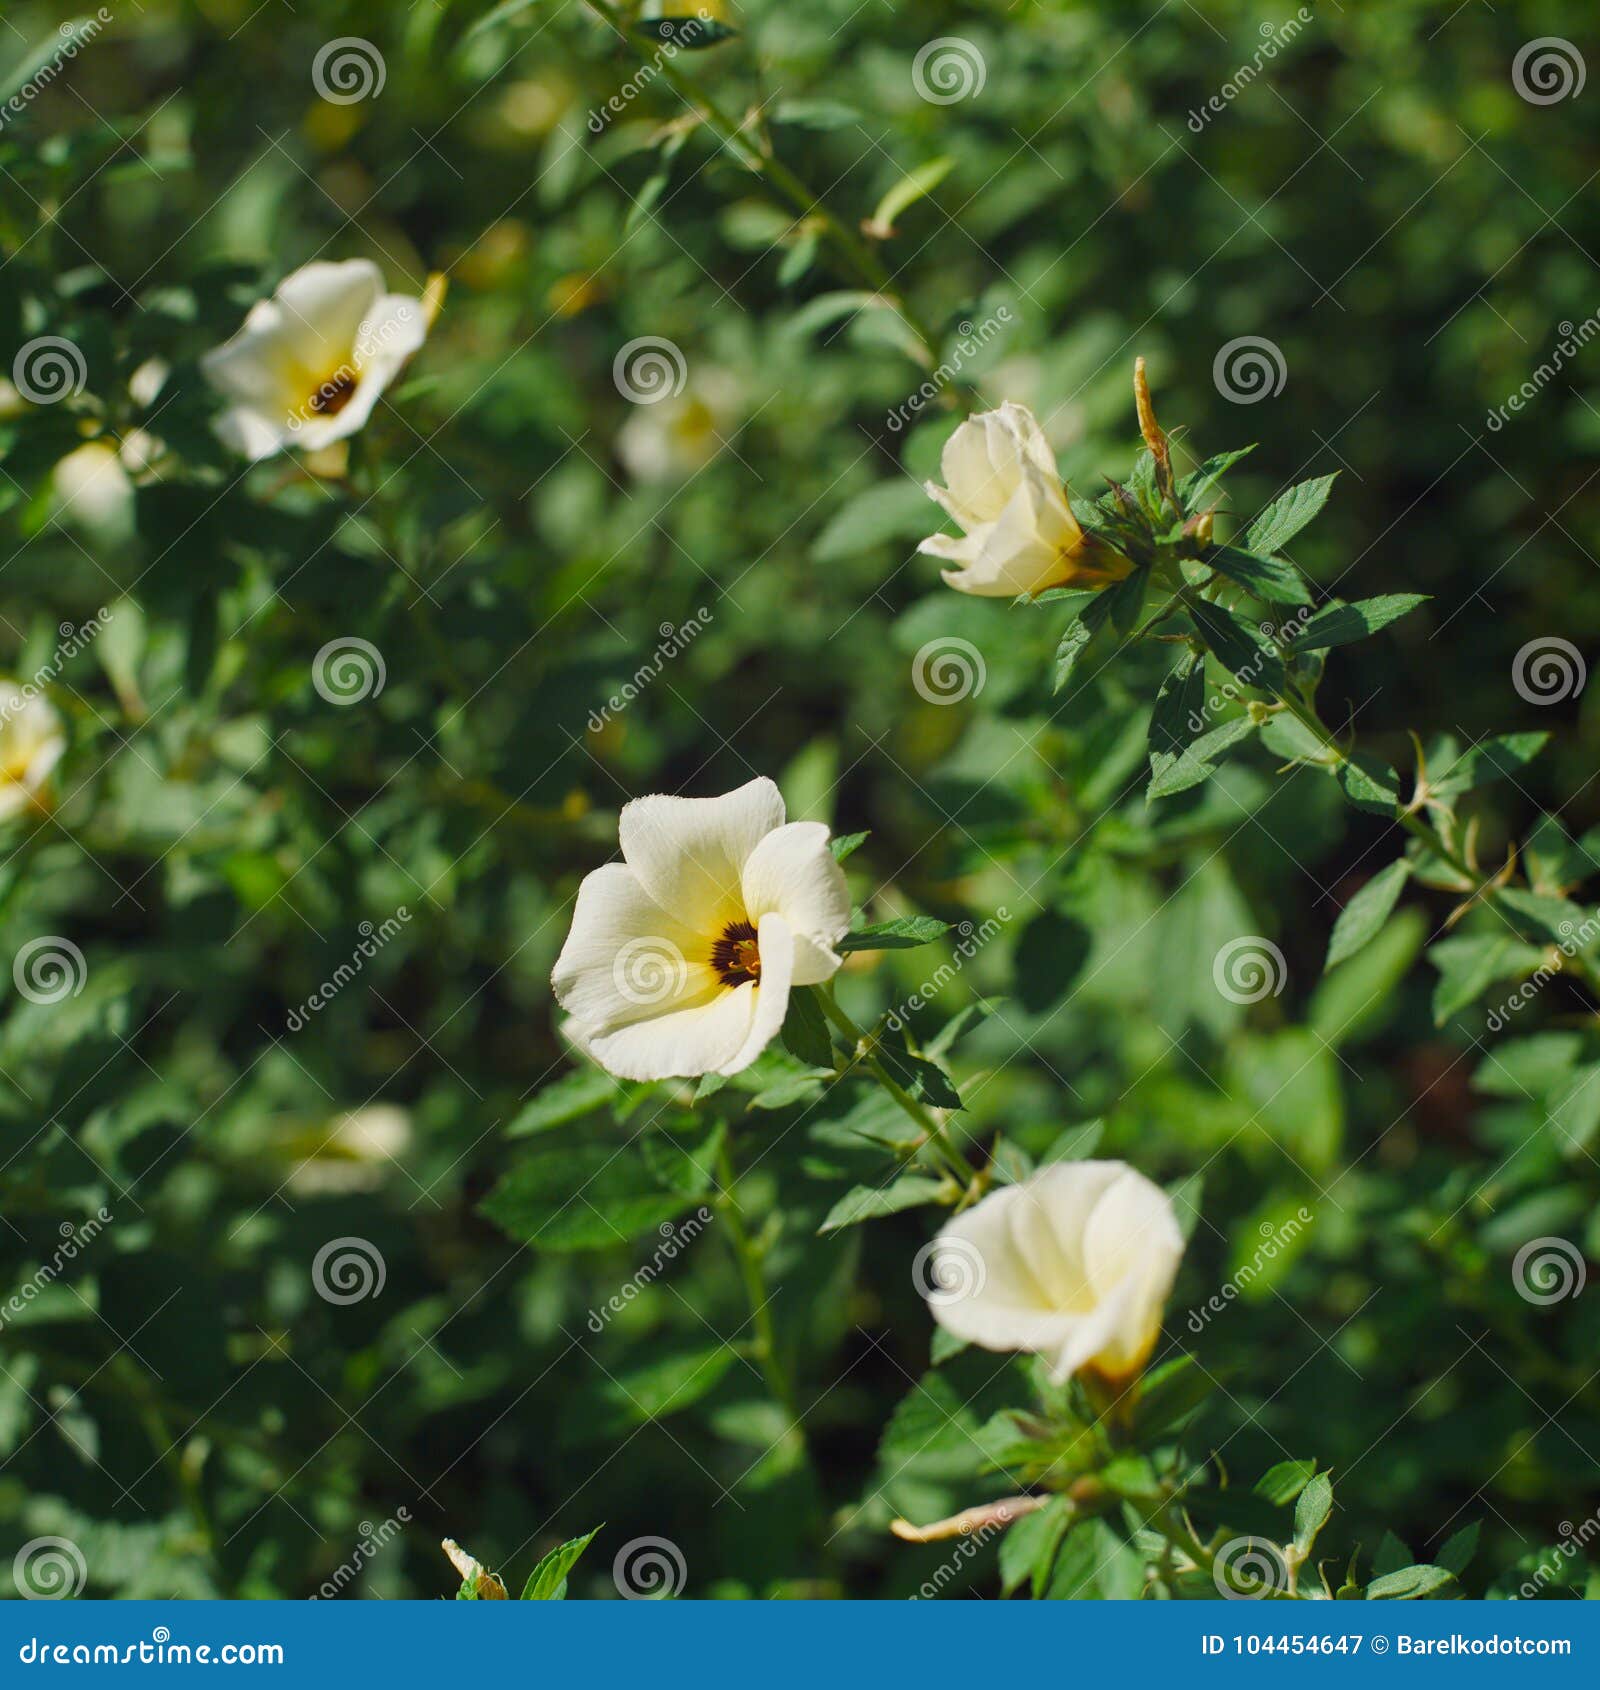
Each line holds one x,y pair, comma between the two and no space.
1019,533
1076,1264
32,740
354,1152
311,362
670,441
92,488
681,956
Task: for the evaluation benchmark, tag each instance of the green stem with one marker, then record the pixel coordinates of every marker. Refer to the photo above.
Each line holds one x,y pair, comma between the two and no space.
935,1131
857,254
748,1254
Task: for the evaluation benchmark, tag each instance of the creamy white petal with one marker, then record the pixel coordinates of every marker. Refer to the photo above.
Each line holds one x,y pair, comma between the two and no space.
324,305
689,853
626,959
704,1038
793,872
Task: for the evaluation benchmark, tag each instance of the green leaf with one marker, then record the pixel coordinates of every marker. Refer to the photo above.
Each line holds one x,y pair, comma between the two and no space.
1169,1394
1575,1109
1459,1549
1180,704
1281,1484
1237,645
1359,996
592,1198
1028,1550
1408,1584
1270,578
1088,613
1193,488
1278,524
1075,1144
900,934
1311,1512
665,1386
1492,760
688,35
50,52
911,187
548,1581
925,1080
815,114
1367,911
1341,624
893,510
869,1202
576,1094
1369,784
846,844
1470,963
805,1029
1172,775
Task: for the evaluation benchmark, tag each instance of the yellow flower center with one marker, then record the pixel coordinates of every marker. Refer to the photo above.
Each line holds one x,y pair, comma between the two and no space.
736,956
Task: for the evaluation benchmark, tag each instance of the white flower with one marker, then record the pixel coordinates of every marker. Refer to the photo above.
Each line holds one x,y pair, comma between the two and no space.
92,487
1019,533
681,956
354,1153
31,742
311,362
670,441
1074,1265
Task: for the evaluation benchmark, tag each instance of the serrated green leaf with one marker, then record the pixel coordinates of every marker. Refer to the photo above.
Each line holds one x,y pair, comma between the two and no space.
1341,624
1281,1484
548,1581
899,934
1237,646
1311,1512
1407,1584
1493,759
1273,579
574,1095
805,1029
1367,911
1278,524
846,844
870,1202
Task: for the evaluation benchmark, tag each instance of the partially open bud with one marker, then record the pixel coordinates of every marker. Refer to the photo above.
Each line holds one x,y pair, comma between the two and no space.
1154,436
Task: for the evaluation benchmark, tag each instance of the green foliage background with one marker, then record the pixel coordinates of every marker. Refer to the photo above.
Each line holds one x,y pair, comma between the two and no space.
1381,204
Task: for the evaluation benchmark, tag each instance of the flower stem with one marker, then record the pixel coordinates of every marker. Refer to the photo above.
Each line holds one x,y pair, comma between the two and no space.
935,1131
862,261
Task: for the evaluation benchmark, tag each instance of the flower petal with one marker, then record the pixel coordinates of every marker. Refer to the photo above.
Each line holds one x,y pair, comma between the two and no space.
689,853
702,1038
777,946
792,871
626,960
324,306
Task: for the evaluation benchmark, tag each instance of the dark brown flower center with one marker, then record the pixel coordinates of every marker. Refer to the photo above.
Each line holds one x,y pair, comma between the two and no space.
736,956
333,395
